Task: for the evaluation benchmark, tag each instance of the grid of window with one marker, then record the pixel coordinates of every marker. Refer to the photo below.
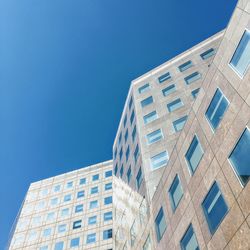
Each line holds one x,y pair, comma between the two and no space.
160,224
192,78
159,160
185,66
176,104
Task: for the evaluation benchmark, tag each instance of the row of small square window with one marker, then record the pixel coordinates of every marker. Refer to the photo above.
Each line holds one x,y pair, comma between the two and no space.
75,242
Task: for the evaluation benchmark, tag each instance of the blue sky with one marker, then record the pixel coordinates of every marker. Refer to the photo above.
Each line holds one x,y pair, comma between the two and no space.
65,69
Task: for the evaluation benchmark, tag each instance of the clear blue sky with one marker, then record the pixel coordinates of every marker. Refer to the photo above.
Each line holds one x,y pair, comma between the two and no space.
65,69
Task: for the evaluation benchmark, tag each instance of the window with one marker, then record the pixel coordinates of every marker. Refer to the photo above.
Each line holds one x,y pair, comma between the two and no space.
241,58
44,248
126,136
95,177
94,190
144,88
216,109
147,101
79,208
150,117
185,66
189,241
179,123
65,212
107,234
139,178
47,232
192,78
59,246
205,55
214,207
107,200
51,216
154,136
116,169
130,103
70,184
134,133
194,154
170,89
61,228
172,106
160,224
107,216
108,173
108,186
147,244
75,242
175,192
92,220
91,238
67,197
121,153
125,120
93,204
136,153
164,77
240,157
80,194
132,117
82,181
159,160
57,188
195,92
127,153
129,174
77,224
121,171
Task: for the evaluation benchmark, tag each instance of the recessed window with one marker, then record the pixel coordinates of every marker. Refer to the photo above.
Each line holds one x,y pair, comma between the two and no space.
67,197
132,117
61,228
185,66
160,224
130,103
51,216
80,194
121,153
144,88
189,241
107,216
54,201
179,123
107,200
79,208
93,204
192,78
240,157
147,101
121,171
70,184
82,181
92,220
127,153
47,232
91,238
129,174
95,177
159,160
57,188
154,136
170,89
125,120
94,190
150,117
195,92
139,178
126,136
107,234
176,104
77,224
75,242
205,55
59,246
214,207
65,212
108,186
134,133
136,153
108,173
216,109
164,77
194,154
175,192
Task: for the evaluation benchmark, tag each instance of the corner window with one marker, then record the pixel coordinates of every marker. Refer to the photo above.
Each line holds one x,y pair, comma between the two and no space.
189,241
175,192
185,66
139,178
170,89
216,109
194,154
159,160
172,106
214,207
107,234
150,117
164,77
205,55
144,88
179,123
160,224
240,157
192,78
154,136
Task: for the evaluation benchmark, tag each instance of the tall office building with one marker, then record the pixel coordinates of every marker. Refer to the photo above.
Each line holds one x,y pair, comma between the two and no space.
181,162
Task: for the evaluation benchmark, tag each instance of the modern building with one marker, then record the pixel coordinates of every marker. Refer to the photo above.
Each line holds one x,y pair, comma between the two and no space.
181,162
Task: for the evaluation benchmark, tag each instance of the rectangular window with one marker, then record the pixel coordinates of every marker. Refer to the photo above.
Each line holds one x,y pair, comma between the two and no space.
121,171
125,120
92,220
70,184
132,117
47,232
62,228
127,153
139,178
94,190
95,177
77,224
67,197
179,123
107,200
240,157
59,245
170,89
214,207
147,101
194,154
54,201
82,181
150,117
176,104
175,192
129,174
195,92
107,216
241,58
108,186
185,66
130,103
75,242
136,153
189,240
159,160
164,77
91,238
65,212
154,136
93,204
80,194
192,78
205,55
217,109
160,224
108,173
79,208
126,136
134,133
57,188
107,234
144,88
